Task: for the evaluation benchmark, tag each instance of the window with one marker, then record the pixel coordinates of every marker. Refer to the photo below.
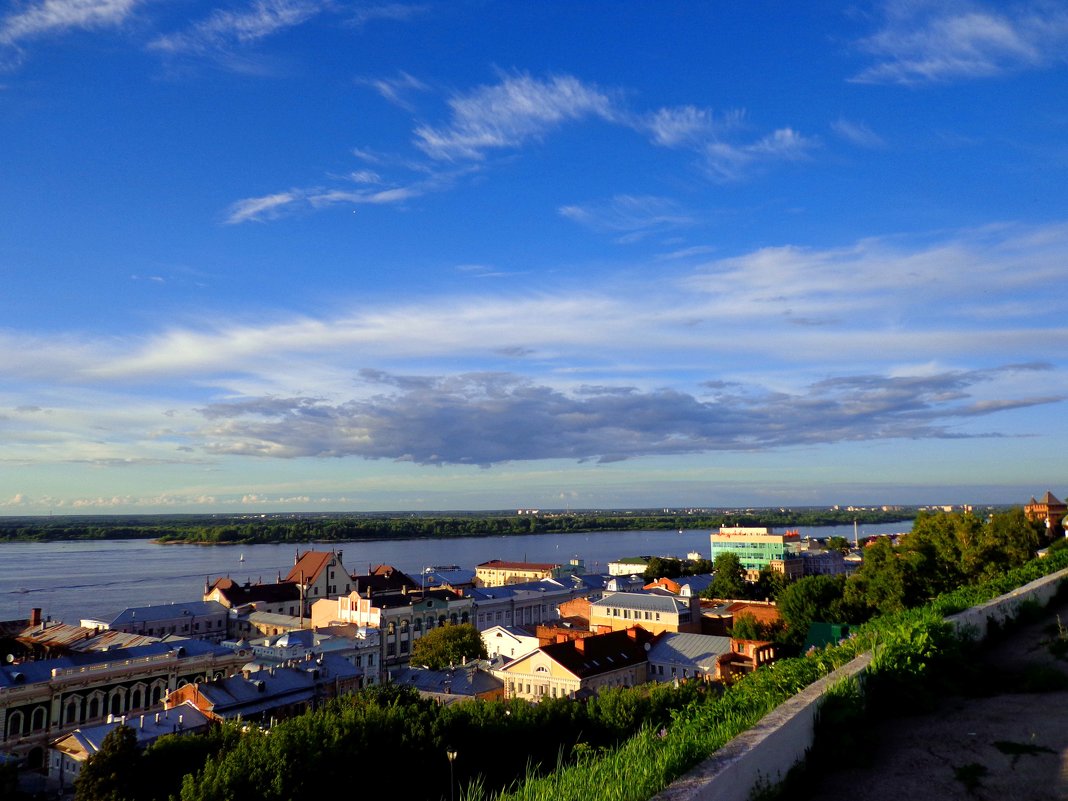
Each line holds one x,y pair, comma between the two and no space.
391,649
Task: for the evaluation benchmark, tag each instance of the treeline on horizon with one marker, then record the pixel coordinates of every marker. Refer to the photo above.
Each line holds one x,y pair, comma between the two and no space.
240,530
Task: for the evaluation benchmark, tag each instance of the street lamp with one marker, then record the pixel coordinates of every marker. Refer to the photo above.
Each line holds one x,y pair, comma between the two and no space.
451,754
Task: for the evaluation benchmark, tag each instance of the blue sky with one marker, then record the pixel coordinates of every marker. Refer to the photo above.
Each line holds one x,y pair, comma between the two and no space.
321,255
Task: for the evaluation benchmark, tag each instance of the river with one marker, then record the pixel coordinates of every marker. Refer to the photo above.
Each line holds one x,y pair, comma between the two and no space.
75,580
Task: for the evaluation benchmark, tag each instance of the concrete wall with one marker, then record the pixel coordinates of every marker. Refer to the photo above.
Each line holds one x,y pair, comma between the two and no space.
762,756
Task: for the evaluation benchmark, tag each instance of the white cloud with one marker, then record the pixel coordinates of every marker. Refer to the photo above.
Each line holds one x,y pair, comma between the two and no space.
510,113
630,215
928,42
54,16
223,29
857,133
270,207
724,161
395,89
257,209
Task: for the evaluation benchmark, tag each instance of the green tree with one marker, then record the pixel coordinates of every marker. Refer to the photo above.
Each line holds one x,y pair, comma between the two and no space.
808,600
890,580
662,567
747,627
837,544
729,578
449,645
768,585
111,774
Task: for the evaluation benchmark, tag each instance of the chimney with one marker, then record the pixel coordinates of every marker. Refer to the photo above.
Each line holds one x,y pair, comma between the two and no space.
580,645
35,616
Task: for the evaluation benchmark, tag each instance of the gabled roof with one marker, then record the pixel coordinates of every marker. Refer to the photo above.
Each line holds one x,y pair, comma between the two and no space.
383,578
601,653
239,595
310,564
701,650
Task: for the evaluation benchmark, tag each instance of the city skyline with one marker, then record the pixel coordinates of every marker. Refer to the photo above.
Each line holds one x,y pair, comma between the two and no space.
300,255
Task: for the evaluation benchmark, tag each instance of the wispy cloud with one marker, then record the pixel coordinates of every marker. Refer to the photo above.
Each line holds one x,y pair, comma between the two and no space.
858,134
270,207
396,12
55,16
929,42
728,161
633,217
224,29
507,114
396,89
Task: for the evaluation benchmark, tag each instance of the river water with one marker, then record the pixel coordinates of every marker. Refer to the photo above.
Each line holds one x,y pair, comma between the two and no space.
75,580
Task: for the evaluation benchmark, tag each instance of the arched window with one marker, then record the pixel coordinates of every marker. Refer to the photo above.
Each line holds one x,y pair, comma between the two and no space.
39,719
441,620
14,724
72,709
117,702
157,693
404,626
391,629
417,624
137,697
465,618
429,623
94,707
453,618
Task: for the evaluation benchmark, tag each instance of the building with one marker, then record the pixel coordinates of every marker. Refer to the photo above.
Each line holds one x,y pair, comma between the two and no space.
526,604
401,617
718,618
580,667
687,656
40,701
203,620
686,586
629,566
68,754
498,573
1050,510
509,642
705,658
758,548
314,575
827,563
359,646
272,693
461,683
655,613
278,598
447,577
319,574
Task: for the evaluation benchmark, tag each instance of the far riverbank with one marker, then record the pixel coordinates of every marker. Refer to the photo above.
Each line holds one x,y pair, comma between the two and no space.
340,528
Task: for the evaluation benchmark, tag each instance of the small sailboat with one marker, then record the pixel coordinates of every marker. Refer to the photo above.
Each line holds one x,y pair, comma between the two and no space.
242,559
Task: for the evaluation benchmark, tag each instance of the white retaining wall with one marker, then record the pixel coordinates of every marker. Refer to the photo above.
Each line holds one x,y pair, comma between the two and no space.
763,755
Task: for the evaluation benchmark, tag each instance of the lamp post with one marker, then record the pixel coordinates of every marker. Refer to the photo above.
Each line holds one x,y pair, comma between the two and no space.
451,754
